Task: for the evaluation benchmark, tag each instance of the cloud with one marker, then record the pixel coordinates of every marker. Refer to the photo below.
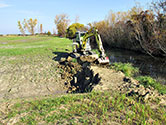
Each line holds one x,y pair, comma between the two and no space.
3,5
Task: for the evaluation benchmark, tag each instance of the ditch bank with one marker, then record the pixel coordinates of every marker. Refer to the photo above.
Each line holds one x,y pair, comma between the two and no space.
83,75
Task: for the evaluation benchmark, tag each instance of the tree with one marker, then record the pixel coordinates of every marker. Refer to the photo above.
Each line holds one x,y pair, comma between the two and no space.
149,35
49,33
41,29
71,30
22,27
159,6
62,22
30,25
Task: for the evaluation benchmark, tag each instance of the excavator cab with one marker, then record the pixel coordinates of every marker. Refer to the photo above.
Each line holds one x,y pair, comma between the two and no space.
78,41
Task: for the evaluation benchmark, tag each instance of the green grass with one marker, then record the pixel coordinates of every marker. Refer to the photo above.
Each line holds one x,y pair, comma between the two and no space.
126,68
91,108
12,38
14,46
147,81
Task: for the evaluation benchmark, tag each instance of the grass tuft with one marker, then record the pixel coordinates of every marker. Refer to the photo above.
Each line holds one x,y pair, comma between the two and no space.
147,81
126,68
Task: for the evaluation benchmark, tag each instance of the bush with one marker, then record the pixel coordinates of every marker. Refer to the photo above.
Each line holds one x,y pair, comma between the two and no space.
136,29
148,81
72,29
49,33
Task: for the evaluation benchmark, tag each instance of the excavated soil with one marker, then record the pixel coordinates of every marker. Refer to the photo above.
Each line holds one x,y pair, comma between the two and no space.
87,76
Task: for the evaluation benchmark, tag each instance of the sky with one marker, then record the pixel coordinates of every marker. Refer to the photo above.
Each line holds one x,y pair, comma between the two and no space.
12,11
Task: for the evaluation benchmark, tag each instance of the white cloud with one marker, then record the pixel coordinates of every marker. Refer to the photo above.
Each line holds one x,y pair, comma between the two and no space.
3,5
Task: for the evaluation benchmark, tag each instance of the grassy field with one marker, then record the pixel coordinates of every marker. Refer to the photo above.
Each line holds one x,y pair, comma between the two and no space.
28,69
14,46
91,108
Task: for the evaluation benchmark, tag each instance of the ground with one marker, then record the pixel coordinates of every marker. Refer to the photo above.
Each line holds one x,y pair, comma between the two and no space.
30,73
37,73
110,79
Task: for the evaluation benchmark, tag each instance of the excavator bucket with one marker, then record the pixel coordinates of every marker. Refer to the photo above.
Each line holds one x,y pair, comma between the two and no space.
104,60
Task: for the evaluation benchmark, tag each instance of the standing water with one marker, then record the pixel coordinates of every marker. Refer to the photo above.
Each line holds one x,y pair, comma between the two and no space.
147,65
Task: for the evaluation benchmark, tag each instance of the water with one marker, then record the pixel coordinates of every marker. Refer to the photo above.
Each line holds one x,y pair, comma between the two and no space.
155,68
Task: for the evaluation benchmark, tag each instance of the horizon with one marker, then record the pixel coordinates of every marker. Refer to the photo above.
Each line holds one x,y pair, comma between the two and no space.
45,11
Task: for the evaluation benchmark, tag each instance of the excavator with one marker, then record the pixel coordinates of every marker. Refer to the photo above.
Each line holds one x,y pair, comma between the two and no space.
81,45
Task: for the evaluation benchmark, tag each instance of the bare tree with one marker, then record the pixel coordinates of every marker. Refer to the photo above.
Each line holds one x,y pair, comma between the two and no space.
30,25
22,27
62,22
148,34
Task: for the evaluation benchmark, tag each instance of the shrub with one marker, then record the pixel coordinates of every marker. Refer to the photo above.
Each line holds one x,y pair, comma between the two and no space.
49,33
72,29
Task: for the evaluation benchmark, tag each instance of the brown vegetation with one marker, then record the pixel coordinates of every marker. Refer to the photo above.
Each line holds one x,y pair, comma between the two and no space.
136,29
29,25
41,28
62,22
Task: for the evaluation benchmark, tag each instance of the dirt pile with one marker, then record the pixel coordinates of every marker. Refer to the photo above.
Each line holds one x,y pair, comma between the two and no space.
110,79
79,77
132,87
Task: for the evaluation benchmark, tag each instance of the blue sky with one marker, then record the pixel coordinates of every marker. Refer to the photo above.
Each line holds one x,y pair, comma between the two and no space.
45,11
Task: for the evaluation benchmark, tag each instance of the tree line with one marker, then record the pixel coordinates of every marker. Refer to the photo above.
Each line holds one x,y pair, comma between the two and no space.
61,21
136,29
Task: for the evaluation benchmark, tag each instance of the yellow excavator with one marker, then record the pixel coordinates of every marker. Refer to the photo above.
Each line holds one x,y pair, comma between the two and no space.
81,44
